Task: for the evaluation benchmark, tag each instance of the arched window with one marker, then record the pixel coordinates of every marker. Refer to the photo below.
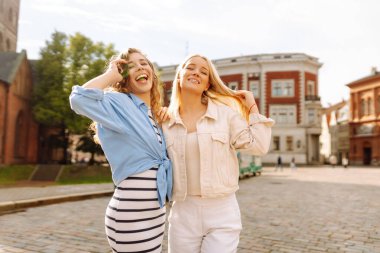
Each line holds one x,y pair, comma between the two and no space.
362,107
370,110
20,142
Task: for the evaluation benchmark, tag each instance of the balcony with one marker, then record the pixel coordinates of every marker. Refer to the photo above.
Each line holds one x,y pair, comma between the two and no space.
312,98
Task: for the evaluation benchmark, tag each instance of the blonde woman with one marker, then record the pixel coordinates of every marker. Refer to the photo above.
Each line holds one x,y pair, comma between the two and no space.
125,109
208,124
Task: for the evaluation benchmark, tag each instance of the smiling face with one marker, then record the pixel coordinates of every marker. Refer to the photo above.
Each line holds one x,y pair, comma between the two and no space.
140,73
194,76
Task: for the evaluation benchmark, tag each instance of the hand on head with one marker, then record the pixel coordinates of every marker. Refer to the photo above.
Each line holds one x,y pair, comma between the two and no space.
247,98
116,68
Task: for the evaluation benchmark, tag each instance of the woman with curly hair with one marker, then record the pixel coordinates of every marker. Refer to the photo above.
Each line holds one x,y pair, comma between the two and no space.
124,103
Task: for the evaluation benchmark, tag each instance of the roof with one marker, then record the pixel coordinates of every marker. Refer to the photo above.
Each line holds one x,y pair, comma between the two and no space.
375,75
9,64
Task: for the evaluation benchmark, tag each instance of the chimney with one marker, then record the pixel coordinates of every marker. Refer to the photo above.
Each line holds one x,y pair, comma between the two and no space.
373,71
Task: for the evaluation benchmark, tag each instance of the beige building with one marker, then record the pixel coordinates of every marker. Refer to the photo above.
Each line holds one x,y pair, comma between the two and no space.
9,14
286,89
335,137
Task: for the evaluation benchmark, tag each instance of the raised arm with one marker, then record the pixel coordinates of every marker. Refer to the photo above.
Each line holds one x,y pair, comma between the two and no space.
253,137
110,77
90,100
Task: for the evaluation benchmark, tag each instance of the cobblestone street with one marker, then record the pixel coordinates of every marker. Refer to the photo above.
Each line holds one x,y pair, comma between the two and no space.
308,210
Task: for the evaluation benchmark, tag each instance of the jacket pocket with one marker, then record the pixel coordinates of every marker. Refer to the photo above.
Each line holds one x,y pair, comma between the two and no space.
220,152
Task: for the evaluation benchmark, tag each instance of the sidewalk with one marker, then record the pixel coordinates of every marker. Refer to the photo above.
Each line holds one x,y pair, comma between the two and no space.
17,198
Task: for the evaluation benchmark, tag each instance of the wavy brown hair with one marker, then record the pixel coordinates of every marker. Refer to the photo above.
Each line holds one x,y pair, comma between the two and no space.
123,86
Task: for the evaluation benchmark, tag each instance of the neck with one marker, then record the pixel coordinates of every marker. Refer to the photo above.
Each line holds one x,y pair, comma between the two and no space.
191,103
144,97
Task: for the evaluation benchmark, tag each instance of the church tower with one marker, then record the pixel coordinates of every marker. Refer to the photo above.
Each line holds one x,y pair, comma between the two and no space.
9,14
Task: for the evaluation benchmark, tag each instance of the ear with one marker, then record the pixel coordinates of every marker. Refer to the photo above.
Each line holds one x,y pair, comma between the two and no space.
208,86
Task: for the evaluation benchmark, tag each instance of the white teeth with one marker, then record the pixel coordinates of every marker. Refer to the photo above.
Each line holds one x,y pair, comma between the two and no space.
194,81
141,76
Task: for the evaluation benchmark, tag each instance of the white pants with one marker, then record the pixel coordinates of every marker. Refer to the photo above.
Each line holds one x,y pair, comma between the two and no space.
199,225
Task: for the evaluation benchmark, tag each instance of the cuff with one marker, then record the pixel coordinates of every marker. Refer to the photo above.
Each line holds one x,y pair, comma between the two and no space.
256,118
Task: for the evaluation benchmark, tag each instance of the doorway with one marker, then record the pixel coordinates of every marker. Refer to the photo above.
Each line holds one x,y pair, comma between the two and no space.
367,156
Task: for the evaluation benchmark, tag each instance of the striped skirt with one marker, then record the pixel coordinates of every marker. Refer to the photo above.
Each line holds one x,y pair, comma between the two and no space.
134,221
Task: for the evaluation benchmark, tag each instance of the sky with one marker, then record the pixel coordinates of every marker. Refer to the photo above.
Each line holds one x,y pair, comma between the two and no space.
343,34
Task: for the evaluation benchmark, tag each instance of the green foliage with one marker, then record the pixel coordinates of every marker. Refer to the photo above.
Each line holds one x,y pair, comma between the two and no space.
66,61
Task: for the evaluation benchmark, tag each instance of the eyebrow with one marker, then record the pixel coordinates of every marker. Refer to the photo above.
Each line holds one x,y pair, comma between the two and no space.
140,60
203,68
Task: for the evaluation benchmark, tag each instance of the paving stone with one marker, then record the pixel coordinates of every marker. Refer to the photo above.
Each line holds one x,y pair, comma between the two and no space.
310,210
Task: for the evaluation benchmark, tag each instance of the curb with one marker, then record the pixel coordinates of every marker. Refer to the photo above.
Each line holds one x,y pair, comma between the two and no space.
22,204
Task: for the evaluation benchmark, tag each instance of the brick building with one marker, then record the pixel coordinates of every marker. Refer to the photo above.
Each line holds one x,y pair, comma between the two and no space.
286,89
365,120
18,130
9,13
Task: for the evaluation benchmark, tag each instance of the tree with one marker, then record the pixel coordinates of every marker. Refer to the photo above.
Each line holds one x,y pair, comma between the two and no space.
66,61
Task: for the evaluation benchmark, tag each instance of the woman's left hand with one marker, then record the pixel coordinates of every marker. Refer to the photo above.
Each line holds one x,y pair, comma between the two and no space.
163,114
248,100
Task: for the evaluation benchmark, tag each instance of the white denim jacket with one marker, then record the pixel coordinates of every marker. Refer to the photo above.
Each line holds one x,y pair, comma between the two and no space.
221,132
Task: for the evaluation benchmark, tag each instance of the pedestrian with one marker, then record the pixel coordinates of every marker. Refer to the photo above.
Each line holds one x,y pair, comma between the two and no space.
126,109
293,164
279,163
205,130
345,162
333,160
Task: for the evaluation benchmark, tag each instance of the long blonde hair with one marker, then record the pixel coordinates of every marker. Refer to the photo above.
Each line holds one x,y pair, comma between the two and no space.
123,86
217,90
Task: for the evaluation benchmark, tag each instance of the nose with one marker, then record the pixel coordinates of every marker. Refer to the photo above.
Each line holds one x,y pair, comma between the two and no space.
196,72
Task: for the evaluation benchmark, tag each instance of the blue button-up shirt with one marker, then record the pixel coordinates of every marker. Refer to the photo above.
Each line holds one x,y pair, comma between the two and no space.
126,135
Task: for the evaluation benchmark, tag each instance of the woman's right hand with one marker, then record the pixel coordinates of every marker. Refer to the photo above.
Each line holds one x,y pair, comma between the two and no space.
115,68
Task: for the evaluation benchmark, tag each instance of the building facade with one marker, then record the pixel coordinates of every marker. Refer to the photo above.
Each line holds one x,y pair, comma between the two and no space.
286,89
364,124
334,139
9,14
18,130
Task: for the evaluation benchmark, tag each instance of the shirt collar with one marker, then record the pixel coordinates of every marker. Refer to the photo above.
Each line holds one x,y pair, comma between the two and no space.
136,100
212,113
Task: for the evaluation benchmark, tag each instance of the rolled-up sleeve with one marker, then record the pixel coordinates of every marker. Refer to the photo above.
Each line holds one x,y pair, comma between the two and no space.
96,105
253,138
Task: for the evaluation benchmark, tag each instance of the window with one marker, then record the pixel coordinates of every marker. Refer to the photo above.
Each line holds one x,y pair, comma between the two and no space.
289,143
276,143
363,107
310,88
283,114
311,116
168,94
298,144
8,45
20,136
370,107
254,87
283,88
233,85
